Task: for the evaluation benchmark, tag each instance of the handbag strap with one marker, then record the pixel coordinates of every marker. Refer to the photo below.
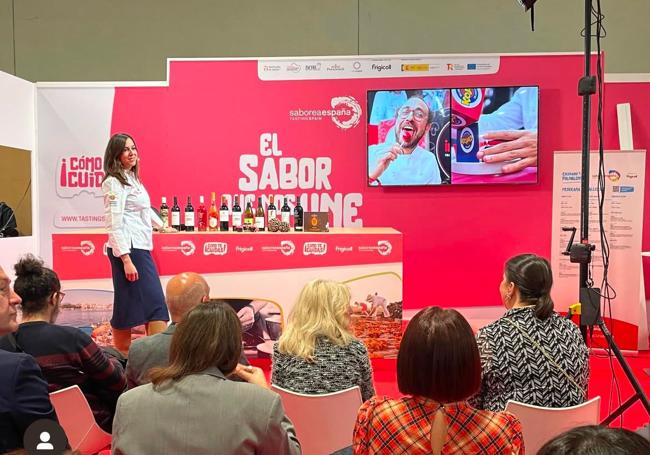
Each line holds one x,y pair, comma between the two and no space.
548,357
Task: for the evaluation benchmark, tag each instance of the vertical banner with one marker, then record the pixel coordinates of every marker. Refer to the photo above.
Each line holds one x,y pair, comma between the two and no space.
623,223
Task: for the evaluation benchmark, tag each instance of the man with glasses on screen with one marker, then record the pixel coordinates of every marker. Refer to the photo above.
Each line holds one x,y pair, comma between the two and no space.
400,160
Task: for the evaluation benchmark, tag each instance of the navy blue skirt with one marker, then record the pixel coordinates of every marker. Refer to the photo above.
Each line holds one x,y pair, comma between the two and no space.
141,301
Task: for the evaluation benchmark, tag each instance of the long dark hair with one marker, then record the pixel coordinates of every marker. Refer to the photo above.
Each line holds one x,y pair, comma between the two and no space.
208,336
532,276
112,164
35,283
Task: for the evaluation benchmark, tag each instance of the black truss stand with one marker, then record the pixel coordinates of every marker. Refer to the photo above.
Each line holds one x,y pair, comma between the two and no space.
581,252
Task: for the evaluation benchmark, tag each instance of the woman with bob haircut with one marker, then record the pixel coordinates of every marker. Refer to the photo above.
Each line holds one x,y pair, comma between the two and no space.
139,297
190,407
531,354
438,368
317,353
597,440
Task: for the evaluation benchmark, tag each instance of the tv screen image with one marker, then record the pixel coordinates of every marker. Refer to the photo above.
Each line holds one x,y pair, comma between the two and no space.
479,135
494,135
409,137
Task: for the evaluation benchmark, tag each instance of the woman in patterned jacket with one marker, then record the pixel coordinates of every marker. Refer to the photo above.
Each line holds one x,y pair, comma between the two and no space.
531,354
317,353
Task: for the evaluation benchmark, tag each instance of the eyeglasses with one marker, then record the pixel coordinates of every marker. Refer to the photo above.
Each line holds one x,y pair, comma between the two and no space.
61,295
130,149
418,114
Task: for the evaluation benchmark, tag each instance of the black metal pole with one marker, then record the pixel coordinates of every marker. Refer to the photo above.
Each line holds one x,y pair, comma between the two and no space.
586,88
639,394
586,122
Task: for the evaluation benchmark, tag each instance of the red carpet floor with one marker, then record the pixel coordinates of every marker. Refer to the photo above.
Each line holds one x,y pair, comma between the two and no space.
600,383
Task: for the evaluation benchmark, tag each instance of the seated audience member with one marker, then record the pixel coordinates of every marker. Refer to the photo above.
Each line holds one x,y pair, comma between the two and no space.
190,407
317,353
184,291
438,368
67,355
531,354
23,391
597,440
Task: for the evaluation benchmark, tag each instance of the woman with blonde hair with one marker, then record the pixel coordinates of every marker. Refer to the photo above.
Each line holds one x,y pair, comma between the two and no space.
317,353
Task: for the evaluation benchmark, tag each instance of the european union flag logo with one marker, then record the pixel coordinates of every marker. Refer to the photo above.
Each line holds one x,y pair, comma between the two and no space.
471,66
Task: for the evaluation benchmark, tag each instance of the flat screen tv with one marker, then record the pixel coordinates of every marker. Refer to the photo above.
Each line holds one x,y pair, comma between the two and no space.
452,136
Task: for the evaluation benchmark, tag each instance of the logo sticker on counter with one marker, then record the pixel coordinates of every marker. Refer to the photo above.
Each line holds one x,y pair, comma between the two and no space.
315,248
215,248
86,247
186,247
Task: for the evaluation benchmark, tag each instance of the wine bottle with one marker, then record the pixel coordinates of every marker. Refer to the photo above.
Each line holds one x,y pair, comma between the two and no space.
236,215
189,215
249,217
224,215
213,214
202,215
271,211
259,215
297,217
176,215
285,212
164,213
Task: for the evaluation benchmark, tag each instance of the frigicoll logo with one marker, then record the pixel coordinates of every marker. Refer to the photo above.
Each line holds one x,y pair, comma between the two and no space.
76,174
86,247
350,104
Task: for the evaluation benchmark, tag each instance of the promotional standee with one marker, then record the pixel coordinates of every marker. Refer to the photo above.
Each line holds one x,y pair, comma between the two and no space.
403,142
623,224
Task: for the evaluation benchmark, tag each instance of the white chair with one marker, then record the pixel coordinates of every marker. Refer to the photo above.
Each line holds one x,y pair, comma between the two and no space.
78,422
540,425
324,422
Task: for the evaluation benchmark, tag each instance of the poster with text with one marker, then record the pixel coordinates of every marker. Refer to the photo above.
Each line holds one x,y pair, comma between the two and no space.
623,222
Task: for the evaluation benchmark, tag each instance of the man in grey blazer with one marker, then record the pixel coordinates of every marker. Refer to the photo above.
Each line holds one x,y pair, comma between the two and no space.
183,292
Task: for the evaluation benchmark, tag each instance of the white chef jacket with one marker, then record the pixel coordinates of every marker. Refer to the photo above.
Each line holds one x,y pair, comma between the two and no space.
128,215
418,168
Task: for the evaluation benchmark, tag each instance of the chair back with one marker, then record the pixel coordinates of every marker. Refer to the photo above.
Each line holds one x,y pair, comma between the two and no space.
77,420
540,425
324,423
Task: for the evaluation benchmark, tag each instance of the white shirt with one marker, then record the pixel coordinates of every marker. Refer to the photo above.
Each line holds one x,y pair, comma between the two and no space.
385,105
520,112
128,215
418,168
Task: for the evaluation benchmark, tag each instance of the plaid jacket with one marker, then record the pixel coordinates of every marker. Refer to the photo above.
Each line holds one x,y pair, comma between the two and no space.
387,426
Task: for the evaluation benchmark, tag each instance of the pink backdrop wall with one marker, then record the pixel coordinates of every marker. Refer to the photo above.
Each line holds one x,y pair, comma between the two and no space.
638,95
191,135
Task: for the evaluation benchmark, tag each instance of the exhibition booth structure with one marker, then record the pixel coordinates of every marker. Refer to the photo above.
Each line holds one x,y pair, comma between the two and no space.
402,154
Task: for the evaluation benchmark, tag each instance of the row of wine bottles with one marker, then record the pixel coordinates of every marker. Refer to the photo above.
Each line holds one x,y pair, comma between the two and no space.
222,218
